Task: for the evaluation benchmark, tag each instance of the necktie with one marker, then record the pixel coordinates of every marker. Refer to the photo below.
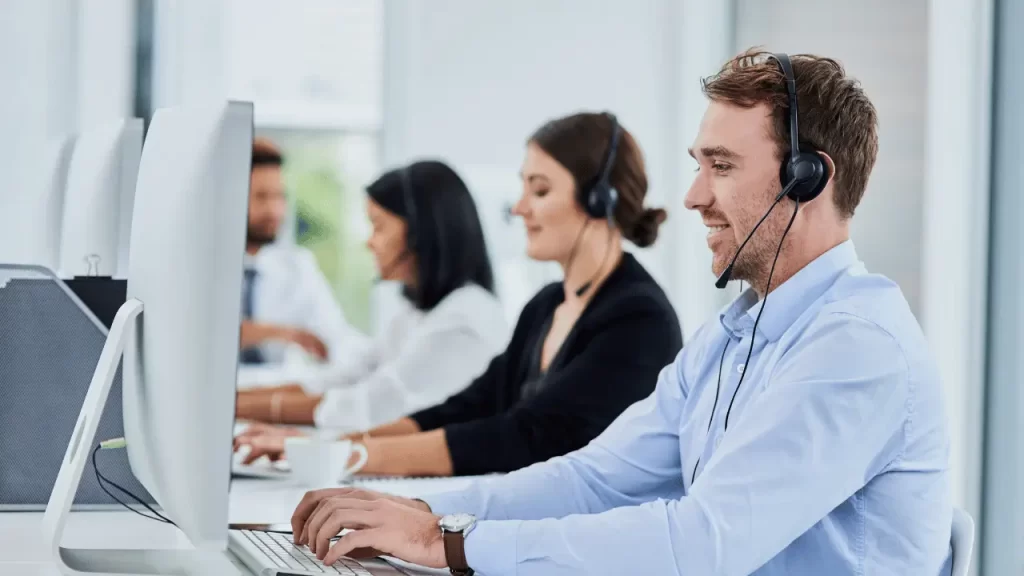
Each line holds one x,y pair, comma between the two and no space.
249,355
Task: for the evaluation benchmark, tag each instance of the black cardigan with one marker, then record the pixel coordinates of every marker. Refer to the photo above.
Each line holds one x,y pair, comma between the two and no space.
609,360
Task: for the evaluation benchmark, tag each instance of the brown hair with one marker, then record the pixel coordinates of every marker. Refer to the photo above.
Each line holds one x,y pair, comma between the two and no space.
835,116
580,143
265,153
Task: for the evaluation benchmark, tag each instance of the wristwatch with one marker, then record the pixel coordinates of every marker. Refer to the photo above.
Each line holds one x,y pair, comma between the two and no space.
454,529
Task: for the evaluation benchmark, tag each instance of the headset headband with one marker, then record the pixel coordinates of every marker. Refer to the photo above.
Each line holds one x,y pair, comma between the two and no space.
787,70
613,148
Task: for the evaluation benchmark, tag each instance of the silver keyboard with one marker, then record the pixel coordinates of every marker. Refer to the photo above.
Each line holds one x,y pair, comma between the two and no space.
281,552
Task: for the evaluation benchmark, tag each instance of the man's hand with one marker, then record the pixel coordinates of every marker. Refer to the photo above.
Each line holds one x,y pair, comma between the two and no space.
309,341
256,333
379,524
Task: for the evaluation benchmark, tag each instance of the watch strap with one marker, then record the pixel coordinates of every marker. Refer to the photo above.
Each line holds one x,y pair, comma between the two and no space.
455,553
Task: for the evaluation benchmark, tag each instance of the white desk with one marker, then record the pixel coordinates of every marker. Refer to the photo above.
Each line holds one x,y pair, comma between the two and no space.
252,501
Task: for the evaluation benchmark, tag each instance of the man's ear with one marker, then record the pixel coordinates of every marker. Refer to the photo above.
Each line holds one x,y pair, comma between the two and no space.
829,165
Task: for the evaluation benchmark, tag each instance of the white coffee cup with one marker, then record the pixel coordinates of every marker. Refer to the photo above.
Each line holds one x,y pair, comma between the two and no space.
322,462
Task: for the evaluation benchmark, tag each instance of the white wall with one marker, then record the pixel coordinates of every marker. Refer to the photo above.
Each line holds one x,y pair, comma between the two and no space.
64,67
36,107
883,44
469,81
37,72
464,82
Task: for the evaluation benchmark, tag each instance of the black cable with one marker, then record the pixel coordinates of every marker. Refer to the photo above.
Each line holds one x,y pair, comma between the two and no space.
764,303
718,389
575,247
750,351
100,479
604,260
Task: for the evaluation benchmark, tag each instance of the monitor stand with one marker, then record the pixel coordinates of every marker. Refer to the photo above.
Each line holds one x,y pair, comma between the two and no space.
195,562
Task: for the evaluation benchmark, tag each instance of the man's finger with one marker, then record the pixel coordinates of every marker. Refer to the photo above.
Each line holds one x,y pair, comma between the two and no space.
320,514
340,520
324,511
303,511
366,542
321,508
354,493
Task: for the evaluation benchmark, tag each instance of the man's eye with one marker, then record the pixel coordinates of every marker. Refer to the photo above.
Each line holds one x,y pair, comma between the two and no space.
721,167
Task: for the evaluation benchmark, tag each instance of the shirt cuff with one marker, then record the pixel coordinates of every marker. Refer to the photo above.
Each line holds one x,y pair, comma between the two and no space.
491,547
447,503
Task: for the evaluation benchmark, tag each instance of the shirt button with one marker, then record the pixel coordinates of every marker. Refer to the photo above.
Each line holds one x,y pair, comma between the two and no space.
718,441
740,368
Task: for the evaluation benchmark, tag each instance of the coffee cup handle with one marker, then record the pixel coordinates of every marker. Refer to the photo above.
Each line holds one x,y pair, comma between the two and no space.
363,456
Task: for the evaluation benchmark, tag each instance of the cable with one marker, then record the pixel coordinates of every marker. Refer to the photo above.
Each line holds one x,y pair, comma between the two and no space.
100,479
604,260
575,247
764,303
753,334
718,389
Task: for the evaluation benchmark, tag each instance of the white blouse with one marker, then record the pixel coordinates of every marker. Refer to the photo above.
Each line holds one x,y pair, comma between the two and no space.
419,360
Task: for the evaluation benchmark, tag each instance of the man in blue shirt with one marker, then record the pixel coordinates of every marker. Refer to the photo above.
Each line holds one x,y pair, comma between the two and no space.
800,432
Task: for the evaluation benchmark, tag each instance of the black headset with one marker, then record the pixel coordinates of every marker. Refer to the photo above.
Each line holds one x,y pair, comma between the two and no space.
803,176
807,168
600,198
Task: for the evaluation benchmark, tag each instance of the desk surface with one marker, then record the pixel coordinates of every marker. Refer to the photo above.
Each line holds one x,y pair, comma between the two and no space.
252,501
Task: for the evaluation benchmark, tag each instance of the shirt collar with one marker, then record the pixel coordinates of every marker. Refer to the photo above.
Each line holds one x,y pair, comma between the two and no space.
249,261
791,298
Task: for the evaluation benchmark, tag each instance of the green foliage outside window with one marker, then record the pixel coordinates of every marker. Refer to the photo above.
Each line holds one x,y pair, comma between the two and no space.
324,209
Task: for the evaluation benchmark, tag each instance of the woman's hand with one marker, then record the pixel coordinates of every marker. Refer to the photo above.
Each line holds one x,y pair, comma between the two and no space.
264,440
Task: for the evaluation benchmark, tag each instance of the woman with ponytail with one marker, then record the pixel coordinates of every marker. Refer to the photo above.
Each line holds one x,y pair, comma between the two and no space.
583,350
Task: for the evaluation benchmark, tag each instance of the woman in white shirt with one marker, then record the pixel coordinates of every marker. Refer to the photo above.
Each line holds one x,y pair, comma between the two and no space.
426,235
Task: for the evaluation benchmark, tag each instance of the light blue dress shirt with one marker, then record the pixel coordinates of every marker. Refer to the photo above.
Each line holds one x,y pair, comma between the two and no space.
835,461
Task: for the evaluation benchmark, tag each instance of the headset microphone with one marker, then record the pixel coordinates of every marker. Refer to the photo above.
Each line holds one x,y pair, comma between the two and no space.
723,280
804,174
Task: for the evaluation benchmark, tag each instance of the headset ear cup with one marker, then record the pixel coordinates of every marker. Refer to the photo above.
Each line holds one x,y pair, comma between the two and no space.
811,167
597,204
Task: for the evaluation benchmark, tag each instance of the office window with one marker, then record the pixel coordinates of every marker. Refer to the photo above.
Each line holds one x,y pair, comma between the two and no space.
326,173
314,76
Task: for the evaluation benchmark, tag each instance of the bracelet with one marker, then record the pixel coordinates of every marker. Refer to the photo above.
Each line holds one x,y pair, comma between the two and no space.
275,407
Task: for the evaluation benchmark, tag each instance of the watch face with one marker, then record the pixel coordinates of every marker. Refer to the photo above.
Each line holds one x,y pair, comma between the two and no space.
457,522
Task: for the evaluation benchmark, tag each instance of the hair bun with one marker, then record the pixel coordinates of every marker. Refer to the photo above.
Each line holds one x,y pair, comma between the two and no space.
645,231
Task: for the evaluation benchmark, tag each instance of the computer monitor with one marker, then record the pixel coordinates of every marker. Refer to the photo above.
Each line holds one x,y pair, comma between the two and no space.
98,201
179,332
30,223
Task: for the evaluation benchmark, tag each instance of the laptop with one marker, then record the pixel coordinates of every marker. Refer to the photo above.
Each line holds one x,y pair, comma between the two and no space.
267,550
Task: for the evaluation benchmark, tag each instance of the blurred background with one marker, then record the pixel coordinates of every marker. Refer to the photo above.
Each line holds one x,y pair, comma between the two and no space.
348,89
